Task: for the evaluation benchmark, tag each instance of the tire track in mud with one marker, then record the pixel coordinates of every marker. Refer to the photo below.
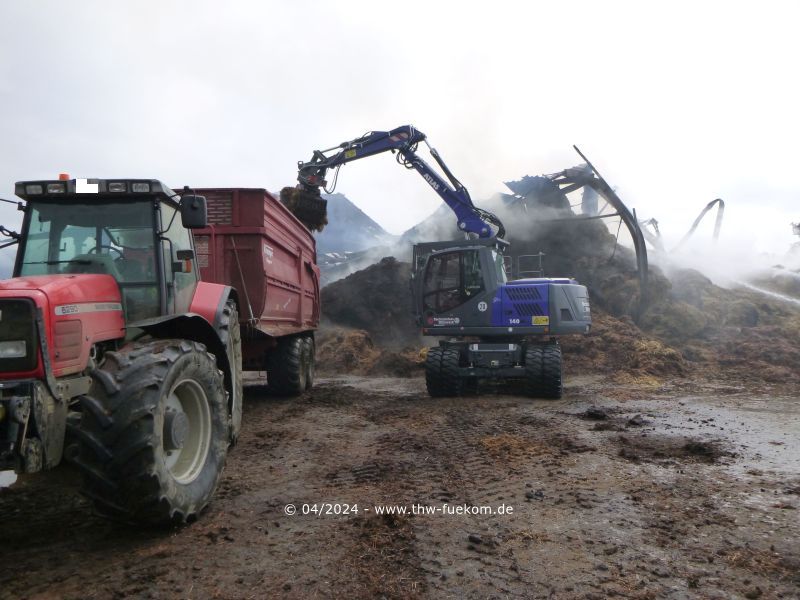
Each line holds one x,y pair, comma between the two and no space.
594,514
462,458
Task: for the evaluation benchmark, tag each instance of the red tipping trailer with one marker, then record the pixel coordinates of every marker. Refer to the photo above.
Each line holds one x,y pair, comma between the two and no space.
255,245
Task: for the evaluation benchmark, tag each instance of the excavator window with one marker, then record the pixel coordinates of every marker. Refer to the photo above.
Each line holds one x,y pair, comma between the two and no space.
451,279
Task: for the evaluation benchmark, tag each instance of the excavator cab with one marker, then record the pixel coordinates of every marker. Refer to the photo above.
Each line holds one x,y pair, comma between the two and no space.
449,277
461,290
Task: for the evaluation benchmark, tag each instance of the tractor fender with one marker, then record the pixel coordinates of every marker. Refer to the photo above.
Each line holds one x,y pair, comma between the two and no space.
209,301
201,324
188,326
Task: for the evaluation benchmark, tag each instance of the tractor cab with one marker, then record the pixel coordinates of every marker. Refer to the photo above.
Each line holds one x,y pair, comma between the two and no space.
99,262
124,228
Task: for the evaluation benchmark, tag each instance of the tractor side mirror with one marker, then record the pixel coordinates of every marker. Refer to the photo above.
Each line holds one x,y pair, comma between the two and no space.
194,214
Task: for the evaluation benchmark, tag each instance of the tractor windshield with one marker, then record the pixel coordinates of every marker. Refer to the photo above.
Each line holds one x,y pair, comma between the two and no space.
115,238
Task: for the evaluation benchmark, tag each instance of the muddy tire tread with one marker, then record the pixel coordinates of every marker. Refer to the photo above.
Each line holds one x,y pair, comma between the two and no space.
116,434
433,372
230,333
543,372
286,374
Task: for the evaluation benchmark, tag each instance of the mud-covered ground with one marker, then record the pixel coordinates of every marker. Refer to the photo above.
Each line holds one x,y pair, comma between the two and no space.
656,491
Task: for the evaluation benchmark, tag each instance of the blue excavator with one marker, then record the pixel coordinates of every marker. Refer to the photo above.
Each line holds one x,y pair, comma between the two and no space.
491,328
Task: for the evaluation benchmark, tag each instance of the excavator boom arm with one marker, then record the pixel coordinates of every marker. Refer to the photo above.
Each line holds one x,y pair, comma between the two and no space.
403,140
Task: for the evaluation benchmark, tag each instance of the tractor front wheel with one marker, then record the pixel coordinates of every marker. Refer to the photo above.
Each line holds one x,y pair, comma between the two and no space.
153,436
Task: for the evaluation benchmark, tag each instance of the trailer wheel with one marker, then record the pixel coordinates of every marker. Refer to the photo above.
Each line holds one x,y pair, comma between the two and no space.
287,374
231,337
543,371
153,436
310,351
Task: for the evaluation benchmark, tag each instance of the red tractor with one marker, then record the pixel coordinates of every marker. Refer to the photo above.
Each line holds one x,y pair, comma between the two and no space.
116,356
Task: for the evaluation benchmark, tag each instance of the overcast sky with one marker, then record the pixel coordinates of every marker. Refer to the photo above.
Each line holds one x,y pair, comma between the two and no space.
676,103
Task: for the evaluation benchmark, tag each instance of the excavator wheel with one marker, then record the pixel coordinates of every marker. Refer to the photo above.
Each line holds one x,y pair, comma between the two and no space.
433,372
451,377
442,376
543,371
154,433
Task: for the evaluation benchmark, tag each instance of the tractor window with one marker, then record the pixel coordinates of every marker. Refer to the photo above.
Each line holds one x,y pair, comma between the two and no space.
112,238
451,279
181,283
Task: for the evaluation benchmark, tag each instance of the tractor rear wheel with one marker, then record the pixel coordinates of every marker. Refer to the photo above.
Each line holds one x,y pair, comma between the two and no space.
154,432
543,371
287,370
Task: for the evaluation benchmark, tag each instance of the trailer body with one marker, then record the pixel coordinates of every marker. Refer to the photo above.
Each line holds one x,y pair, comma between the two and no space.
255,245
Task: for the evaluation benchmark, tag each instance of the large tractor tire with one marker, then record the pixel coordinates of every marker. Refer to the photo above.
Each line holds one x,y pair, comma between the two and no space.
543,372
442,377
153,436
231,336
287,369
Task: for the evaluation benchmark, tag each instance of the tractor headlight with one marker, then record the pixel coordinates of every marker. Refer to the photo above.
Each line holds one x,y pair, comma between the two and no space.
34,188
140,187
15,349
